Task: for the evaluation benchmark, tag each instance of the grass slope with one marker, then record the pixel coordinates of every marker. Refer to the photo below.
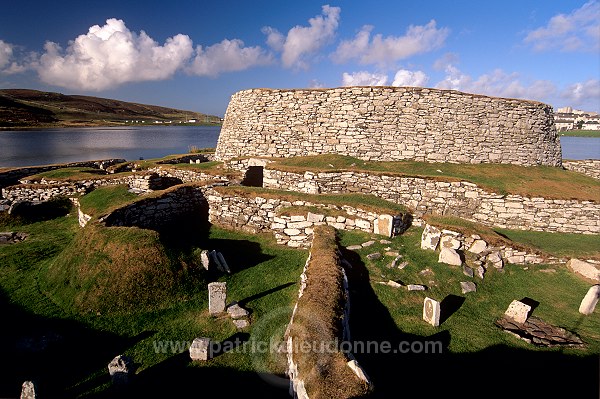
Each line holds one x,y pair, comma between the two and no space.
535,181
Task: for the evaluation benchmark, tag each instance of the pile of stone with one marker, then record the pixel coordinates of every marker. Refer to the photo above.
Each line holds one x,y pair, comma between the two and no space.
453,246
518,322
11,237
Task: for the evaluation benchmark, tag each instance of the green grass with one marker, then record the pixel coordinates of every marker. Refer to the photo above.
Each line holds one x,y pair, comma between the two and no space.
104,198
558,244
581,133
264,280
74,173
534,181
467,333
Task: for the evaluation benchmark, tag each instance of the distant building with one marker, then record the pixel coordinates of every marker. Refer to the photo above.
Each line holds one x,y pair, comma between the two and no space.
568,118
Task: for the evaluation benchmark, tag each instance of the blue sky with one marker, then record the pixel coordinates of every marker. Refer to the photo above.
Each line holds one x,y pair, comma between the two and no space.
194,54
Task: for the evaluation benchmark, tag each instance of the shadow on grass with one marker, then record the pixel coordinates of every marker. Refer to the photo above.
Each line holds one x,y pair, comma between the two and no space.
449,306
408,370
251,298
28,212
57,354
178,377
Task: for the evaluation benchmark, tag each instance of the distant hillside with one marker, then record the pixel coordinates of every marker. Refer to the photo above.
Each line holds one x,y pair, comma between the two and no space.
32,108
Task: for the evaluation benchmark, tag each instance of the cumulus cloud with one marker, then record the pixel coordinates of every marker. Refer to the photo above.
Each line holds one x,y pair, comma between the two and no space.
8,64
302,42
363,78
409,78
582,92
110,55
577,31
385,50
6,52
227,56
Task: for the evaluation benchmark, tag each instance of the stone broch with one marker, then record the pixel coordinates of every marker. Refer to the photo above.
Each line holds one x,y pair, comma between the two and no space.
431,311
217,296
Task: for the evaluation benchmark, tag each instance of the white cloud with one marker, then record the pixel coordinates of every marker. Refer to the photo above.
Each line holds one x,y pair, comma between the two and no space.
582,92
577,31
409,78
110,55
6,53
385,50
227,56
363,78
497,83
301,42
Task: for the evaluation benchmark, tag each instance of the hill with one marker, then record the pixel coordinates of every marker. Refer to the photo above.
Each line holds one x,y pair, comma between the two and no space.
32,108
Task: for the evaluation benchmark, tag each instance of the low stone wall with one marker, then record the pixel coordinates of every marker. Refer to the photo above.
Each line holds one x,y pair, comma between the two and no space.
320,320
41,192
186,175
11,176
589,167
257,214
161,210
458,198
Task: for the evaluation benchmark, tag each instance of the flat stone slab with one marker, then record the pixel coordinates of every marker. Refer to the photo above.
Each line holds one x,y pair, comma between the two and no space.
450,257
467,286
374,256
584,269
430,237
517,311
236,311
241,323
467,271
367,244
415,287
354,247
478,247
538,332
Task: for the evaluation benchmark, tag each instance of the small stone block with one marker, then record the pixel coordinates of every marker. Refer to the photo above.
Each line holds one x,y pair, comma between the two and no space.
200,349
518,311
431,311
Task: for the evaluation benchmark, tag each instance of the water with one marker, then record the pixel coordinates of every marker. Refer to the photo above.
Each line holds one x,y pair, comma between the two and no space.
580,147
39,147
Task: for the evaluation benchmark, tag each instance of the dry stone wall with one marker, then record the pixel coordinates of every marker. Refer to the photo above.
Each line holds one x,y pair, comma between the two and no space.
589,167
389,124
458,198
258,214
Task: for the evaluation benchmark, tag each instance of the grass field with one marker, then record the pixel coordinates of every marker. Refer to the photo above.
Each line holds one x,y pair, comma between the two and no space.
65,349
581,133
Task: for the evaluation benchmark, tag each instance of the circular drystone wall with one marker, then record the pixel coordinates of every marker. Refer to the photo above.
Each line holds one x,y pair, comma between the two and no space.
389,124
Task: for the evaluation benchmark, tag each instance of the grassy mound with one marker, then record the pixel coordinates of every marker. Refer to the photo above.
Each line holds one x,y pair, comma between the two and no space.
118,269
104,198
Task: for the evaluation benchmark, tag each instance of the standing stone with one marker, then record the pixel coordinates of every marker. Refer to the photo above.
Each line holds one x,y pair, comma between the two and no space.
431,311
120,369
200,349
450,257
205,259
588,304
430,237
28,390
518,311
467,286
383,225
217,296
